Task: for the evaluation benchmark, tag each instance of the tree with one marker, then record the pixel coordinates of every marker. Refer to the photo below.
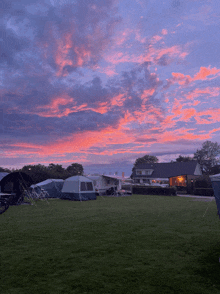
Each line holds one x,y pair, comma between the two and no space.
6,170
38,172
215,170
75,169
56,171
145,159
184,158
207,156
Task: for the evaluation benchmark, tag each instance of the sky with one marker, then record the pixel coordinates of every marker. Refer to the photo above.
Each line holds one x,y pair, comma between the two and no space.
103,82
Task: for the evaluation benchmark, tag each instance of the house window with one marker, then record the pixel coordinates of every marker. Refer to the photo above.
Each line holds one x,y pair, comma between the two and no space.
146,181
148,171
144,172
137,181
139,172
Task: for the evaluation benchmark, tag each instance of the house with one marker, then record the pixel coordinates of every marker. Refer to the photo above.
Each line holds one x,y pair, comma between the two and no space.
170,173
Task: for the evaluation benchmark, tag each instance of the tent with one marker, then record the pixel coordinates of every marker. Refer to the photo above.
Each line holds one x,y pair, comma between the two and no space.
2,175
52,186
16,183
78,188
216,187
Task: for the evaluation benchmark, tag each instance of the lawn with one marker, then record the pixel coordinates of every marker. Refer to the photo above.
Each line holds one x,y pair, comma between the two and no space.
135,244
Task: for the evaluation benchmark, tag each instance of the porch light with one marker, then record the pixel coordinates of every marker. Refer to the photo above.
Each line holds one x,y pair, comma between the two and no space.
180,179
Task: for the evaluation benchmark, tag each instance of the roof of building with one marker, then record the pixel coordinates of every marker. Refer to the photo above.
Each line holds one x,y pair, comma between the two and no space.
169,169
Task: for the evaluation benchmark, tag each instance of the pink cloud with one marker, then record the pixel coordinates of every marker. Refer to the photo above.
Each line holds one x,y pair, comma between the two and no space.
164,32
59,107
152,54
181,134
214,91
203,74
109,70
122,37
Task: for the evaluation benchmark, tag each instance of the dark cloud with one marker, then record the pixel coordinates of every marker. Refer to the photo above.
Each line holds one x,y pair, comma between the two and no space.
28,103
146,140
10,45
80,26
164,60
92,92
41,48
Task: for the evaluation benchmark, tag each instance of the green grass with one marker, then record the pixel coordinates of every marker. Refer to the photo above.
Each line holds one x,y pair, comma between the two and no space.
136,244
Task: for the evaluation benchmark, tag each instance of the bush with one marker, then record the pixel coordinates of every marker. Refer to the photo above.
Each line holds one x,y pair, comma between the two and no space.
153,190
203,182
182,190
204,191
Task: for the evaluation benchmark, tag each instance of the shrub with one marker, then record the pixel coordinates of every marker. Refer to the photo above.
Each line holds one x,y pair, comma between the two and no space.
204,191
154,190
203,182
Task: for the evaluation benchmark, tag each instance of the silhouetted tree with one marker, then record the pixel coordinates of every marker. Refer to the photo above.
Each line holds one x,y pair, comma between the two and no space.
56,171
183,158
75,169
215,170
207,156
5,170
38,172
145,159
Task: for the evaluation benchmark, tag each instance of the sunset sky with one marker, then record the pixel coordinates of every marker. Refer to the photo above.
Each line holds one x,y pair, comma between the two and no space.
107,81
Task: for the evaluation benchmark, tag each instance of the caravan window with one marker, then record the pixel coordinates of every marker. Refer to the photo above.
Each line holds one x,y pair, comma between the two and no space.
83,186
86,186
89,186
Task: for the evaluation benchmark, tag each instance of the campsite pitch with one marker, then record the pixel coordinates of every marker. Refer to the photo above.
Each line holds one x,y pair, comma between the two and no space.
137,244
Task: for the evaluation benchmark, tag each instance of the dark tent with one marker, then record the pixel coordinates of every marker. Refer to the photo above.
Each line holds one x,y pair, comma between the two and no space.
216,187
2,175
52,186
15,182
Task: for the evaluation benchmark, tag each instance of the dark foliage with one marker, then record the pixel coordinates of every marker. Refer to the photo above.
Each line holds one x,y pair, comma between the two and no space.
215,170
207,156
41,172
204,192
183,158
5,170
75,169
203,182
143,190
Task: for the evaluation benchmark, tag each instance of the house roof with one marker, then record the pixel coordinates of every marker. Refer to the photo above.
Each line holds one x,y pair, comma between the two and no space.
169,169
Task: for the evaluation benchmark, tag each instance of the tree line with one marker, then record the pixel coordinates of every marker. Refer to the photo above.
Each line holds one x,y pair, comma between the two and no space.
40,172
207,157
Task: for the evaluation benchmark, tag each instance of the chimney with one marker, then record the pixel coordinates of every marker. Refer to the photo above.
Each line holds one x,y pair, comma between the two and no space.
123,174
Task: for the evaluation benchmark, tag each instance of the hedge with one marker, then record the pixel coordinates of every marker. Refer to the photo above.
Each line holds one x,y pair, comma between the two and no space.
204,191
146,190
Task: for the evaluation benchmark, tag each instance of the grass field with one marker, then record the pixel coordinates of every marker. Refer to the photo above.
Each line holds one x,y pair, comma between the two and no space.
136,244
